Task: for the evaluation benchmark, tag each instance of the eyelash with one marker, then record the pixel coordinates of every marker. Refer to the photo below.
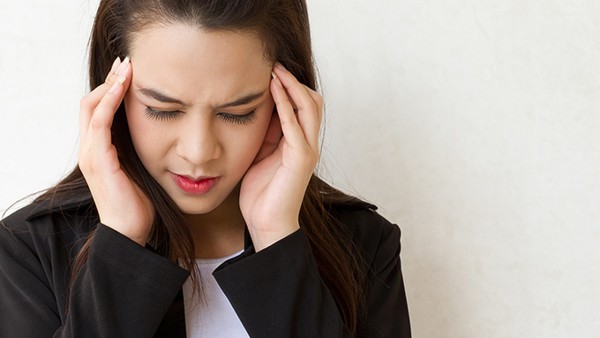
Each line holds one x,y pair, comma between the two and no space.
161,115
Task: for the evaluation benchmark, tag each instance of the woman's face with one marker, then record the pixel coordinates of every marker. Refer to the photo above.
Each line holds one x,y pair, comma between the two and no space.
199,106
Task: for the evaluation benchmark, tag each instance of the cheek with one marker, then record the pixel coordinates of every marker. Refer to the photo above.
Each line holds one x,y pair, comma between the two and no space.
261,126
134,122
141,131
249,141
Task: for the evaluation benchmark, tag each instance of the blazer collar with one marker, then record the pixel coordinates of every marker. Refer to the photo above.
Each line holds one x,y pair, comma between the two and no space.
83,198
60,204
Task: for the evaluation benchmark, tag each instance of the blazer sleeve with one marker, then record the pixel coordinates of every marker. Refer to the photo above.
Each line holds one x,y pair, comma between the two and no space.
278,292
386,307
123,290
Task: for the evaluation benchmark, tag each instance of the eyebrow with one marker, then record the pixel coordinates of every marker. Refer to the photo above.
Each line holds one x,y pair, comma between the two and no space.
158,96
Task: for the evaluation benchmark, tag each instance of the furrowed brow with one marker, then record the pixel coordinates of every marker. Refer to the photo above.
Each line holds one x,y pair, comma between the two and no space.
158,96
242,100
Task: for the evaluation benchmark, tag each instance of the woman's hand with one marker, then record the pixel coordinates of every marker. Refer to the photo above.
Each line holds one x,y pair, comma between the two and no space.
120,202
272,190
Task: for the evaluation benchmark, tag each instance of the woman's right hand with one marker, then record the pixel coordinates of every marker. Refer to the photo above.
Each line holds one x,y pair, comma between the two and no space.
120,202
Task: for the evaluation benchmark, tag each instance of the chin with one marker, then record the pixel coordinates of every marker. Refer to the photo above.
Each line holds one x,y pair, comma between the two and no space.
196,208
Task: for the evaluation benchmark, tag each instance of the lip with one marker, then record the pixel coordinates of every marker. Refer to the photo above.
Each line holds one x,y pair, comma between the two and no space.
195,186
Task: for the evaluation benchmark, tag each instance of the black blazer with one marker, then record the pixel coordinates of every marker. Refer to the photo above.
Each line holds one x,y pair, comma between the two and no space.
125,290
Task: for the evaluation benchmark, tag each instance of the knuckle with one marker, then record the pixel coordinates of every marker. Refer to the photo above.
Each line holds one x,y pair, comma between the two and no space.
84,103
320,105
87,165
96,122
308,153
110,79
318,98
282,100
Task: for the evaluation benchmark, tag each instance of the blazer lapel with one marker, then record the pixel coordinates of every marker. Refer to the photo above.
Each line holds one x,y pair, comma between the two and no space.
173,324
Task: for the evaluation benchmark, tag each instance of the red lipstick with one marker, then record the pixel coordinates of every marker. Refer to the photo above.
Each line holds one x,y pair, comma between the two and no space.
197,186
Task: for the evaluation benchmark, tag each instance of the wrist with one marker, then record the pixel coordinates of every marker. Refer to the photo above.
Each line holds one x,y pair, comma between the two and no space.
140,236
262,239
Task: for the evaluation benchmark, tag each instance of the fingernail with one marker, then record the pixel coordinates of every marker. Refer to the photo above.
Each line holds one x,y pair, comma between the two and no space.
123,66
115,64
276,79
118,83
114,87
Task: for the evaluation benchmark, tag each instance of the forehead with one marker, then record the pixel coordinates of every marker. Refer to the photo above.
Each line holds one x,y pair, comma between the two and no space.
198,65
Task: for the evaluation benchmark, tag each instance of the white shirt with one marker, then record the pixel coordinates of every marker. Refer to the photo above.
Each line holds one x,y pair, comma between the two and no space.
208,313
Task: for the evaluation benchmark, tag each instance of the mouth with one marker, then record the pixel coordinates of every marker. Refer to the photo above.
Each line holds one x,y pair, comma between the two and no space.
195,185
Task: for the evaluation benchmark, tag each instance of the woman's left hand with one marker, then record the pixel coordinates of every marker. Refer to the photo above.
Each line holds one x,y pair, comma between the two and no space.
273,188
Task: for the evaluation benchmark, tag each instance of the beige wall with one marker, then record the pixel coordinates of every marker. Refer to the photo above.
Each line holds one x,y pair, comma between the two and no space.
475,125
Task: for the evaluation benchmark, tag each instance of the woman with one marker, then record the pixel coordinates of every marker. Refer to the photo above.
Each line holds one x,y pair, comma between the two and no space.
194,209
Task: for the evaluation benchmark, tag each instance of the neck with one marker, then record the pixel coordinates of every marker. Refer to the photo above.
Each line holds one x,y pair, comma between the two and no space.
219,233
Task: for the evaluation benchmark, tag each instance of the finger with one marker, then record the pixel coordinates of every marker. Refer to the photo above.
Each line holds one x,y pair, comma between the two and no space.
90,101
103,115
272,138
318,99
312,125
113,71
289,123
296,90
309,106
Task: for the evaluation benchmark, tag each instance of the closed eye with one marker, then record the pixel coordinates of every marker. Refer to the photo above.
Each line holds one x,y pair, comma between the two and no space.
162,115
244,119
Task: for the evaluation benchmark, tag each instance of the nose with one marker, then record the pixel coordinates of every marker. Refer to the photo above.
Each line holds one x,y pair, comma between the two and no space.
198,142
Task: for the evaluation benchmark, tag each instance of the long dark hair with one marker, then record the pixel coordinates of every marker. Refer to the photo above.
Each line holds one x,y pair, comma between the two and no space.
283,26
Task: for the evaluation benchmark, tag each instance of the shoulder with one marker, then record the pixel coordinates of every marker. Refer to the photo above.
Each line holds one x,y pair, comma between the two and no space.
376,238
42,223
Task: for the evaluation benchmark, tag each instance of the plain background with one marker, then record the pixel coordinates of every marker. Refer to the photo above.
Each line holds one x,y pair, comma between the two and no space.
473,124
